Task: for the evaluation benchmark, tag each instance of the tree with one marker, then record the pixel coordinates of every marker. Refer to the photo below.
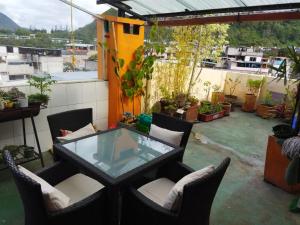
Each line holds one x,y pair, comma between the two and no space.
197,44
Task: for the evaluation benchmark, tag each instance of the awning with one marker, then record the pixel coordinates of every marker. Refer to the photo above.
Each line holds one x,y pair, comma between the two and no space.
164,10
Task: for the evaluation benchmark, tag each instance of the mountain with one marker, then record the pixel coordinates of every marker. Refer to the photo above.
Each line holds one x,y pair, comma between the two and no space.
7,24
267,34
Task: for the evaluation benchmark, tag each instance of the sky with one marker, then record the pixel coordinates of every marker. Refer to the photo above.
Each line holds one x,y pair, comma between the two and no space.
48,13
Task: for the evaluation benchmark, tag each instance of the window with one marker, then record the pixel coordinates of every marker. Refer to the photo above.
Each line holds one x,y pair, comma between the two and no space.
9,49
252,59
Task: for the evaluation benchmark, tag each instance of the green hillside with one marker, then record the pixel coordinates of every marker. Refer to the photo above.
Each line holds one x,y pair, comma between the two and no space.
7,24
267,34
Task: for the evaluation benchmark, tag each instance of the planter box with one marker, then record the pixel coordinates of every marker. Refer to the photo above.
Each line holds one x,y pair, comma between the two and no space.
191,113
264,111
250,103
210,117
217,97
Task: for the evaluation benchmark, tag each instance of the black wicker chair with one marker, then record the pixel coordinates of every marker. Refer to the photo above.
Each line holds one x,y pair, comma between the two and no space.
70,120
90,210
196,202
174,124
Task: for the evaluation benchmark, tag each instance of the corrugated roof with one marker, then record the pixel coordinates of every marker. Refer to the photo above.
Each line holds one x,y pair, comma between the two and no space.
172,8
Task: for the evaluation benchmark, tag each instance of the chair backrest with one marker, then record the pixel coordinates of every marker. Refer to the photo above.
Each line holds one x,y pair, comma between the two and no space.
198,197
30,192
174,124
69,120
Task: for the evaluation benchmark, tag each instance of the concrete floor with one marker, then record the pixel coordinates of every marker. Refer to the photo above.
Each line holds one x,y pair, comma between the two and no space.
243,198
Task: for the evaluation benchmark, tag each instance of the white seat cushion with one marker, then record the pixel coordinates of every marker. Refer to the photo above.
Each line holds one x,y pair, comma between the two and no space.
157,190
79,187
53,198
84,131
169,136
174,198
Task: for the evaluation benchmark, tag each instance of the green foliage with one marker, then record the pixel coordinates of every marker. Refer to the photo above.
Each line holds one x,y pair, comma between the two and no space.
39,98
93,57
254,85
69,67
43,84
216,88
268,34
232,84
208,108
282,72
268,99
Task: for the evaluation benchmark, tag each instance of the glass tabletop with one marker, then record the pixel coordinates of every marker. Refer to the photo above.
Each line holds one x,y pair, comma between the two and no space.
117,152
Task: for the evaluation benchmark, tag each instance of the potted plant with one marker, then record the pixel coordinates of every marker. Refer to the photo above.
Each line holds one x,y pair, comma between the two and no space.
227,108
43,84
191,109
250,97
208,112
264,109
232,85
207,87
17,97
180,100
217,96
170,109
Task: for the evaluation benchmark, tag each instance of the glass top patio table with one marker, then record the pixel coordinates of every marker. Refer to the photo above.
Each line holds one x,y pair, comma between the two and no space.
118,151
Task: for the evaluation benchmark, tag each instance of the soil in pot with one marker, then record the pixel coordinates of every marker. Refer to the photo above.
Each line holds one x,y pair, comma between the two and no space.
217,97
250,103
263,110
227,108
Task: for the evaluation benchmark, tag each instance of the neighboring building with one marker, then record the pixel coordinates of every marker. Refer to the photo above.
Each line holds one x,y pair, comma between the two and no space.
20,62
82,53
245,59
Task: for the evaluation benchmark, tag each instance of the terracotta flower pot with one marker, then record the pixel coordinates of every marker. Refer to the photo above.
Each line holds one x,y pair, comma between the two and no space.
191,113
210,117
250,103
217,97
227,108
263,110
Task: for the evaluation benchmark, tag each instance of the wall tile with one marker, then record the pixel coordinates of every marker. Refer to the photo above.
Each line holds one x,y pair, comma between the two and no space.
58,96
102,109
89,92
74,93
102,91
6,130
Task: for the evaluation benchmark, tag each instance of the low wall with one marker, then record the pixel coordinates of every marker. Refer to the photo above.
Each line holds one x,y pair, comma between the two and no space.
219,76
64,96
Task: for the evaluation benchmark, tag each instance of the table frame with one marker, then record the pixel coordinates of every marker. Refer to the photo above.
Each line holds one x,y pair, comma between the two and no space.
116,186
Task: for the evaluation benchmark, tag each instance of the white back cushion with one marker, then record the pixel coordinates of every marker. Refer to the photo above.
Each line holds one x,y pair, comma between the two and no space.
169,136
87,130
53,198
174,198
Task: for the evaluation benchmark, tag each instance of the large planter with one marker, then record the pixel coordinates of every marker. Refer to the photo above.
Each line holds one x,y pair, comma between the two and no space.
217,97
250,103
263,110
191,113
227,108
232,99
210,117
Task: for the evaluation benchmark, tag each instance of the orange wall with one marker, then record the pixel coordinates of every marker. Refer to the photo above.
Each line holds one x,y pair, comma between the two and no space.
125,44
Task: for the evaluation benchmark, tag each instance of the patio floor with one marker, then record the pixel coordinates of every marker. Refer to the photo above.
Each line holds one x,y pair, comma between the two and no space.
243,198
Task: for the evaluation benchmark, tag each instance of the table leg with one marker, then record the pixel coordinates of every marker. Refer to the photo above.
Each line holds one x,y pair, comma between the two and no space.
24,131
37,141
115,206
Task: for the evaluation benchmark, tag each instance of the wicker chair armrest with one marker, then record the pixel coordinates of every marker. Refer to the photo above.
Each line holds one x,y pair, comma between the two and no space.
58,172
82,212
164,216
174,171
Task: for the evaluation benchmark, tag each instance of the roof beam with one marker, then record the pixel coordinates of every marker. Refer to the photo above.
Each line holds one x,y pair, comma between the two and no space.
228,10
277,16
118,4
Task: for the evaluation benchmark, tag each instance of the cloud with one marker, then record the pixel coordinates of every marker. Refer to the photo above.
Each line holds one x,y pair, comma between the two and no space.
49,13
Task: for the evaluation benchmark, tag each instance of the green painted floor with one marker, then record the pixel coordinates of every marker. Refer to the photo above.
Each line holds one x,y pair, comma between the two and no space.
243,198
